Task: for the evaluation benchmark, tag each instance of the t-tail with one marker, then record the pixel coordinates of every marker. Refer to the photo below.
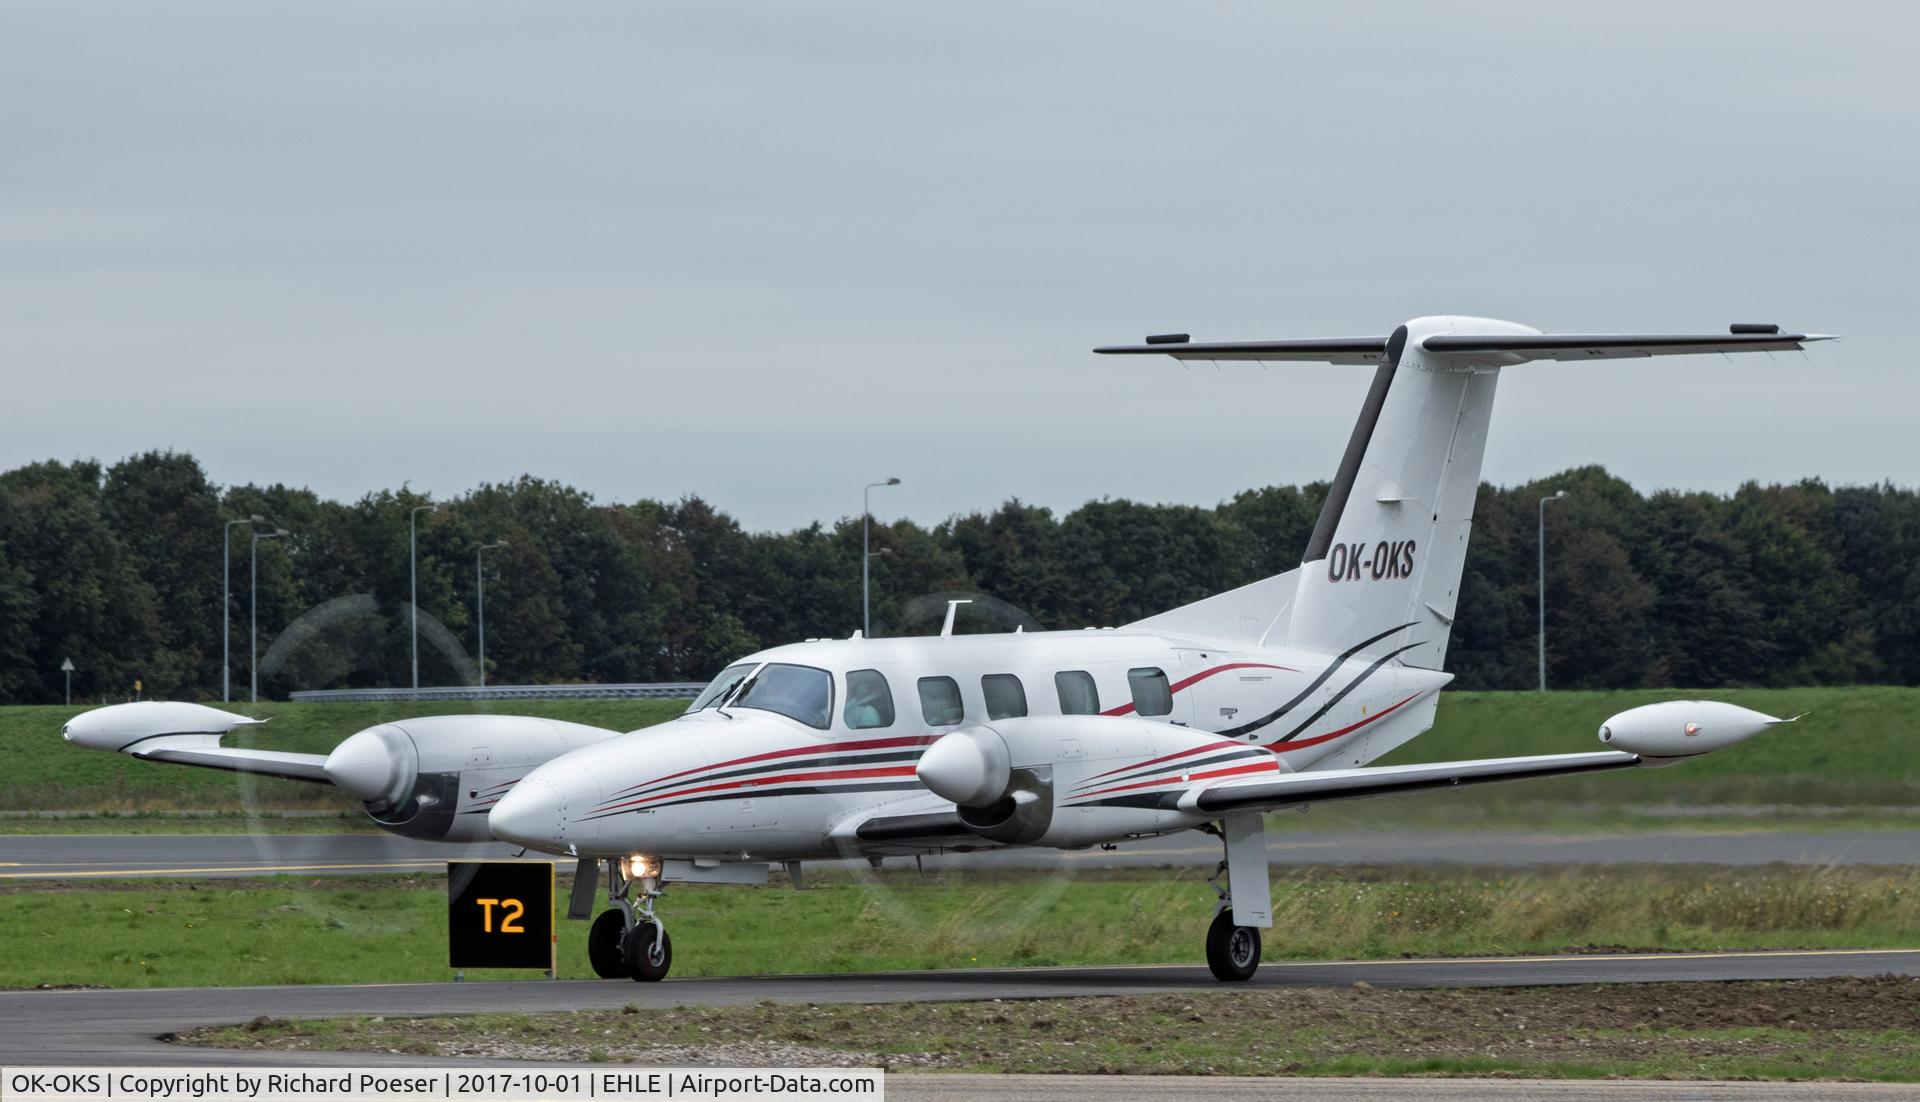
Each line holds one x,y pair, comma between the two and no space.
1381,573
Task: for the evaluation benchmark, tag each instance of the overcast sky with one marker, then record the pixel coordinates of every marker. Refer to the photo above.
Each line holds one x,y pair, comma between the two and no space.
767,253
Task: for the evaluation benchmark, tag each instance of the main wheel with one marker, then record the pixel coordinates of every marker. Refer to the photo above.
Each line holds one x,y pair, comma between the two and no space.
603,945
1233,952
647,957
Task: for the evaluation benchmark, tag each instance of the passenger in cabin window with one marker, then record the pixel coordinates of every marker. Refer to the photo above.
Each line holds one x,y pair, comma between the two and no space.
869,701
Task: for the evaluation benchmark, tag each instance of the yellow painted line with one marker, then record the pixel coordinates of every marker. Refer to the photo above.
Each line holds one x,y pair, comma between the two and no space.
53,870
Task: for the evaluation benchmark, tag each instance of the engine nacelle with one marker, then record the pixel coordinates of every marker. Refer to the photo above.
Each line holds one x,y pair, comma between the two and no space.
1683,728
1067,780
417,776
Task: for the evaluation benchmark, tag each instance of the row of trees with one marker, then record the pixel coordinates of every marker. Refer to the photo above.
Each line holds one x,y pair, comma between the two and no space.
120,568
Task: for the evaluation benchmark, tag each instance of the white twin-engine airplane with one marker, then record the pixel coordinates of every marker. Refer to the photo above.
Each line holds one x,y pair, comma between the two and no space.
1273,695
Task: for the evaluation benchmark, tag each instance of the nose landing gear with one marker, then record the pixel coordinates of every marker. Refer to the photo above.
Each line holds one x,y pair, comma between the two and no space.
628,940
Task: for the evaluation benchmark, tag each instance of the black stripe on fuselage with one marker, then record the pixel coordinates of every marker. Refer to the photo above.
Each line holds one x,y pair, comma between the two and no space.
1342,694
759,793
1255,725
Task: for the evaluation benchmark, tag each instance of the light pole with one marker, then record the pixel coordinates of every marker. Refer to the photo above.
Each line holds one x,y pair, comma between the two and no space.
1557,495
226,603
866,558
413,586
253,608
480,602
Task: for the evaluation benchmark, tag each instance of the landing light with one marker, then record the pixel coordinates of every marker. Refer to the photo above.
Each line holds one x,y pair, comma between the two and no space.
639,866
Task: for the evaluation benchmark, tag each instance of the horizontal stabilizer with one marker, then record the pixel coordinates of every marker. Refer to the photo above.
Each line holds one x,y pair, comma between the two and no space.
1502,348
1610,346
1336,350
1293,789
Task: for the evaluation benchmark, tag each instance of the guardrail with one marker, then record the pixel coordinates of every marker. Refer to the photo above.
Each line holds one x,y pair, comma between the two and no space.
668,690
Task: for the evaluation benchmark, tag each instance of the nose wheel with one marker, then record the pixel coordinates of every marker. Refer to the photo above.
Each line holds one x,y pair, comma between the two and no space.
603,945
648,952
630,940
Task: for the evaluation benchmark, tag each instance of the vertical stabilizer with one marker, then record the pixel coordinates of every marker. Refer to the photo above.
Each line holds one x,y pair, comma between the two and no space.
1381,575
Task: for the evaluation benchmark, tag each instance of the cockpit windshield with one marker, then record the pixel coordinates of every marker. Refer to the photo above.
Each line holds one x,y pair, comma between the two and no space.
797,692
717,689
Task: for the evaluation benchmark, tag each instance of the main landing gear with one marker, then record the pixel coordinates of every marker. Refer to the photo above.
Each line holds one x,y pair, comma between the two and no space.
628,940
1233,940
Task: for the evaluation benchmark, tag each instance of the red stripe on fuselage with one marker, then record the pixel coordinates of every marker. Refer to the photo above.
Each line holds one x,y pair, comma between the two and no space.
795,751
1169,757
841,774
1283,747
1124,709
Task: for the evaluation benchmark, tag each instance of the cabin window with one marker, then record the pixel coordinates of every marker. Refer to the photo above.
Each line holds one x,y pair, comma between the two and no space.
1078,697
797,692
1152,696
716,691
940,701
869,701
1006,697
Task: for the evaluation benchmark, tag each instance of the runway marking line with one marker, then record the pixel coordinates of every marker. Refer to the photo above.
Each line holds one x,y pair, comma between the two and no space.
49,875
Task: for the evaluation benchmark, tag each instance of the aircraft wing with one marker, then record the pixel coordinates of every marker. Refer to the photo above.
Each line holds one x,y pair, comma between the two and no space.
1314,786
206,752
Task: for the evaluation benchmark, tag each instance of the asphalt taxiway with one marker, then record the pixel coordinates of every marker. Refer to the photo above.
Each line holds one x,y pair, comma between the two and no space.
106,856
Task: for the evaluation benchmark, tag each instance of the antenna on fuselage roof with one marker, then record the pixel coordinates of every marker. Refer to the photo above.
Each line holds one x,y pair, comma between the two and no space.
953,607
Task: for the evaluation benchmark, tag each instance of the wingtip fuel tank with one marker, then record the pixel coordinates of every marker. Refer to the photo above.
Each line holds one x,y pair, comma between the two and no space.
1683,728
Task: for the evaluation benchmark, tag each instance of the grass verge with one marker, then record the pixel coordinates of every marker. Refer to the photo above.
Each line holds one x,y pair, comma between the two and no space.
393,928
1808,1029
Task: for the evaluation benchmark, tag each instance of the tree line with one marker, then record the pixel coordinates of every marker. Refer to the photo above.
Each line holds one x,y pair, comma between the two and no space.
119,568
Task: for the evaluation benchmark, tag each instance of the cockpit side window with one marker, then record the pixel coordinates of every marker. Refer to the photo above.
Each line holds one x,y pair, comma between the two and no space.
717,689
1078,697
797,692
869,701
940,701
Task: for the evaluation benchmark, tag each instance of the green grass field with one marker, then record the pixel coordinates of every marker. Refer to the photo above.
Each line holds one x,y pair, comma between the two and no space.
393,929
1859,748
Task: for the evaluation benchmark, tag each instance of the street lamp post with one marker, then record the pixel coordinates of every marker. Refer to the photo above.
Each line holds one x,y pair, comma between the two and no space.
226,604
866,557
413,586
1557,495
253,608
480,602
